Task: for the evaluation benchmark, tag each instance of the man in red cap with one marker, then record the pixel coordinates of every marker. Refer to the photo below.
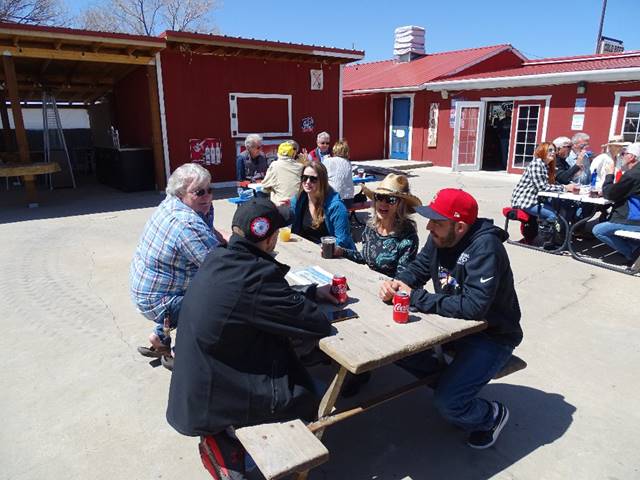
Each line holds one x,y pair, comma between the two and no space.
472,278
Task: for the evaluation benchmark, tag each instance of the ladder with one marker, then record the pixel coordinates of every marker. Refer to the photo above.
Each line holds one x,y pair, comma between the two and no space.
53,135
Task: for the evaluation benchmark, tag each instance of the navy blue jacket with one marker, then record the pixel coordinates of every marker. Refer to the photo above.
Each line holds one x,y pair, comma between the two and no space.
472,280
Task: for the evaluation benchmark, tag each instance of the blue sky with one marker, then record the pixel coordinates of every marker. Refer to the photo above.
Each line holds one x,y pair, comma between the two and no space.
539,28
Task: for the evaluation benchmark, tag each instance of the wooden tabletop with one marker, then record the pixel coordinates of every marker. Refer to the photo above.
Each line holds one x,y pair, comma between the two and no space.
20,169
374,339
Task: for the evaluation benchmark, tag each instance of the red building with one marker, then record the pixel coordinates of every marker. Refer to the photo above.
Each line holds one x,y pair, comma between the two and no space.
487,108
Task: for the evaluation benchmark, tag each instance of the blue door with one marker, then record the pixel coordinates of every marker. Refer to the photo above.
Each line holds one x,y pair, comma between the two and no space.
400,128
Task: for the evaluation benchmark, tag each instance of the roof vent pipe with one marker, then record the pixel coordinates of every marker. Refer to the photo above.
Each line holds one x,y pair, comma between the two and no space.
408,43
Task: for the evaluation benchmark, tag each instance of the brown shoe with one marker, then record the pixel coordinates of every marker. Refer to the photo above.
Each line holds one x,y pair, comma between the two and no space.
167,362
154,352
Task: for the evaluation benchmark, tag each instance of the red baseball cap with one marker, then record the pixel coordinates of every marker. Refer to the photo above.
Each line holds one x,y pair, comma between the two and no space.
451,204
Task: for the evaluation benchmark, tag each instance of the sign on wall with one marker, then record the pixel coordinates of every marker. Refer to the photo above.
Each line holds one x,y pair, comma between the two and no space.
207,151
307,124
432,137
317,79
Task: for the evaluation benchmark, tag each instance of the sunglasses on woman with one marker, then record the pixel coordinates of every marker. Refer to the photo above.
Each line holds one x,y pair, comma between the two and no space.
309,178
203,191
390,199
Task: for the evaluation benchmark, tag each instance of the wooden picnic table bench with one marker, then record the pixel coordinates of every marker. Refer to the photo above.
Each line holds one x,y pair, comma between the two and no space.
357,345
28,172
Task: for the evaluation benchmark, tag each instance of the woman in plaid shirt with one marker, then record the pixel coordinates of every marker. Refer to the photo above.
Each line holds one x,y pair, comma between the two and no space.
540,176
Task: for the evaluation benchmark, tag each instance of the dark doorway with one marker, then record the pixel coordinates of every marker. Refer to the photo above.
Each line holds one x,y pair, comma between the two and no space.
496,136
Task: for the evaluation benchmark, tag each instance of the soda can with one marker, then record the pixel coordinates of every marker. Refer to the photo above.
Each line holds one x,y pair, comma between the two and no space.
401,307
339,288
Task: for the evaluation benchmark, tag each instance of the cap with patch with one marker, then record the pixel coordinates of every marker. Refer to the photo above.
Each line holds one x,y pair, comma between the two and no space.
258,218
451,204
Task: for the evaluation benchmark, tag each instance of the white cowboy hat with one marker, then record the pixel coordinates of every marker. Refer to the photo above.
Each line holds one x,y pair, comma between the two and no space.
396,186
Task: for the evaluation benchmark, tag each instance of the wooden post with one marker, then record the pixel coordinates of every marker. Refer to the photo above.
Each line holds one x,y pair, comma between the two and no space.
156,130
6,127
18,122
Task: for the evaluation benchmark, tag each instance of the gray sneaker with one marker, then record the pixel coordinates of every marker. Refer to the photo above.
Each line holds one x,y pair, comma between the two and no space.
486,438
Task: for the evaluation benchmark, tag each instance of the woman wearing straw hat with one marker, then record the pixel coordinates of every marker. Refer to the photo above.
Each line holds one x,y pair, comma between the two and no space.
390,240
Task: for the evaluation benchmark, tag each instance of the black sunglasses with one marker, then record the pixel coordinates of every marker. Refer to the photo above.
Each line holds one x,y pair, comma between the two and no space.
203,191
390,199
309,178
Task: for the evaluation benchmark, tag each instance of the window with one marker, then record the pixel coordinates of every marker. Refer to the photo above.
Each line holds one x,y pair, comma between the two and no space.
631,124
526,135
266,114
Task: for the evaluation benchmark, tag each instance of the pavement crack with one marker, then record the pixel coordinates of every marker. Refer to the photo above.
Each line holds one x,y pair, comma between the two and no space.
587,290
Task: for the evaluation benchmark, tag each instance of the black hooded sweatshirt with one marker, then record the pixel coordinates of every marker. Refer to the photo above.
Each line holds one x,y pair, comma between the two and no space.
472,280
235,365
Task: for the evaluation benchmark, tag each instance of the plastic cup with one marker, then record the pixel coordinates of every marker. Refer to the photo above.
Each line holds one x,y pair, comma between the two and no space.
361,173
328,246
285,234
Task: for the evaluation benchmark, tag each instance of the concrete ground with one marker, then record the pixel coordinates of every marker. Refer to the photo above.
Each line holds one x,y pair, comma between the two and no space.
78,401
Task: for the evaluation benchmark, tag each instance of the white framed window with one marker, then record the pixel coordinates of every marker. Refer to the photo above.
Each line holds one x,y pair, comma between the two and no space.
631,122
266,114
526,134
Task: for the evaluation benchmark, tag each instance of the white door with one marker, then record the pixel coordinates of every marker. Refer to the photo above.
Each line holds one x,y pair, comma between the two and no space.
468,135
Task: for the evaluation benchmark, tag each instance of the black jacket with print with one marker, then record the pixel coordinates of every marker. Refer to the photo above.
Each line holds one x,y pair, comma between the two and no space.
472,280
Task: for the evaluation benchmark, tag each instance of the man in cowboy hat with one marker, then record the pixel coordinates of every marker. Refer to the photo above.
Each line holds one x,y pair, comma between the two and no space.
626,211
472,278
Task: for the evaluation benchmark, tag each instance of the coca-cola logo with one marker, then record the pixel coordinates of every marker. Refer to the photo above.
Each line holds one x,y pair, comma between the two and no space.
399,307
339,288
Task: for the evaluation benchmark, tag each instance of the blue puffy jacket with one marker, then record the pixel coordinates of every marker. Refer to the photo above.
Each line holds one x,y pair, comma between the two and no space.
336,218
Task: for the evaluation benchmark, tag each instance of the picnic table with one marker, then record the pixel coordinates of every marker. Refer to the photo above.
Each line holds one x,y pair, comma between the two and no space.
366,179
357,345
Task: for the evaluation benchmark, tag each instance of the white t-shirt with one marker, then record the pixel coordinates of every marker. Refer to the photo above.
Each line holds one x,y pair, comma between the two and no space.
340,176
599,164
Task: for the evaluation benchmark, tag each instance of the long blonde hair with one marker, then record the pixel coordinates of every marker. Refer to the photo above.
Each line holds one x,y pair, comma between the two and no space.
323,190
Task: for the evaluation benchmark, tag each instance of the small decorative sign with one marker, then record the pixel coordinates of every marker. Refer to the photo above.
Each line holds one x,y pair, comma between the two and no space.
316,79
432,137
307,124
207,151
577,122
581,104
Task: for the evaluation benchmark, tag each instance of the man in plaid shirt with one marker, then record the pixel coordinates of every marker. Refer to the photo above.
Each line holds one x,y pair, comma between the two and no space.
174,243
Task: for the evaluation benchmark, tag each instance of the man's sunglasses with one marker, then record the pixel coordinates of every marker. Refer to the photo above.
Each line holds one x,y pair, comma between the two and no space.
390,199
309,178
203,191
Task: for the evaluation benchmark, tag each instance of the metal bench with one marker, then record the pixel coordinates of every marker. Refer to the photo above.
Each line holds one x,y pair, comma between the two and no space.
282,449
635,268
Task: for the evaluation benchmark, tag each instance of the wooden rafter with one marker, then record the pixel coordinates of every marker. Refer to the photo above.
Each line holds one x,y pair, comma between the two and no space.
87,56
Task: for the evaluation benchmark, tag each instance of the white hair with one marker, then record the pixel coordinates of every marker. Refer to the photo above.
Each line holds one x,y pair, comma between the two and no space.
562,142
185,175
252,140
323,135
579,137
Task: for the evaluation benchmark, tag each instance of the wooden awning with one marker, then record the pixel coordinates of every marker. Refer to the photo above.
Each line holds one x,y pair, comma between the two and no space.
76,65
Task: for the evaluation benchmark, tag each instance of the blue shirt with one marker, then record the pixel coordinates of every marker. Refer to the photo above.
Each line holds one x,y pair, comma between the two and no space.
174,243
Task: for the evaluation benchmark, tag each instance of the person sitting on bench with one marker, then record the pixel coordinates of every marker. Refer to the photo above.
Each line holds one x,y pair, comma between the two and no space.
174,243
235,365
472,277
626,211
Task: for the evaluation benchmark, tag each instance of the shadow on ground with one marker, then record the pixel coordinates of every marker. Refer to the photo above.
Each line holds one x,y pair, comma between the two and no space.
407,439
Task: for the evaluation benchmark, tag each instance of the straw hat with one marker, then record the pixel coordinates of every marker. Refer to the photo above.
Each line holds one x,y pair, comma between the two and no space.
617,140
397,186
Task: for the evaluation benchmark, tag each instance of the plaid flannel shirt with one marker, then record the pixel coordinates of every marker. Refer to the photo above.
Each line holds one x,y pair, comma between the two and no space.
534,179
174,243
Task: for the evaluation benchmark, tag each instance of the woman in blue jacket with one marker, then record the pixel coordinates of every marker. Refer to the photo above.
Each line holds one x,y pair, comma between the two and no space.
318,211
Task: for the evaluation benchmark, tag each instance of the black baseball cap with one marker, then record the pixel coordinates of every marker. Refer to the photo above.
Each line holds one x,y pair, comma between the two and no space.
258,218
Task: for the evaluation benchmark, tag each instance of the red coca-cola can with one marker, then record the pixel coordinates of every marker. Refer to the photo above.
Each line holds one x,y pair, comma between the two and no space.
339,288
401,307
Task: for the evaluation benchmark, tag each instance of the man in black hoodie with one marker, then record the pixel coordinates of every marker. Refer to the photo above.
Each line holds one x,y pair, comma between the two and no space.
235,364
470,270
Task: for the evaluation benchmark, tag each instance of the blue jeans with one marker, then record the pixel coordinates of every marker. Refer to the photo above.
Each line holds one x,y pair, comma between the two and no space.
478,359
545,212
605,232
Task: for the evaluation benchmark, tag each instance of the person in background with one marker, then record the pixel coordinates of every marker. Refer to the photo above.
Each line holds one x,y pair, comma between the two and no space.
539,176
317,210
626,211
580,155
282,180
235,364
174,243
251,164
390,239
565,172
340,172
503,131
323,140
612,155
472,279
